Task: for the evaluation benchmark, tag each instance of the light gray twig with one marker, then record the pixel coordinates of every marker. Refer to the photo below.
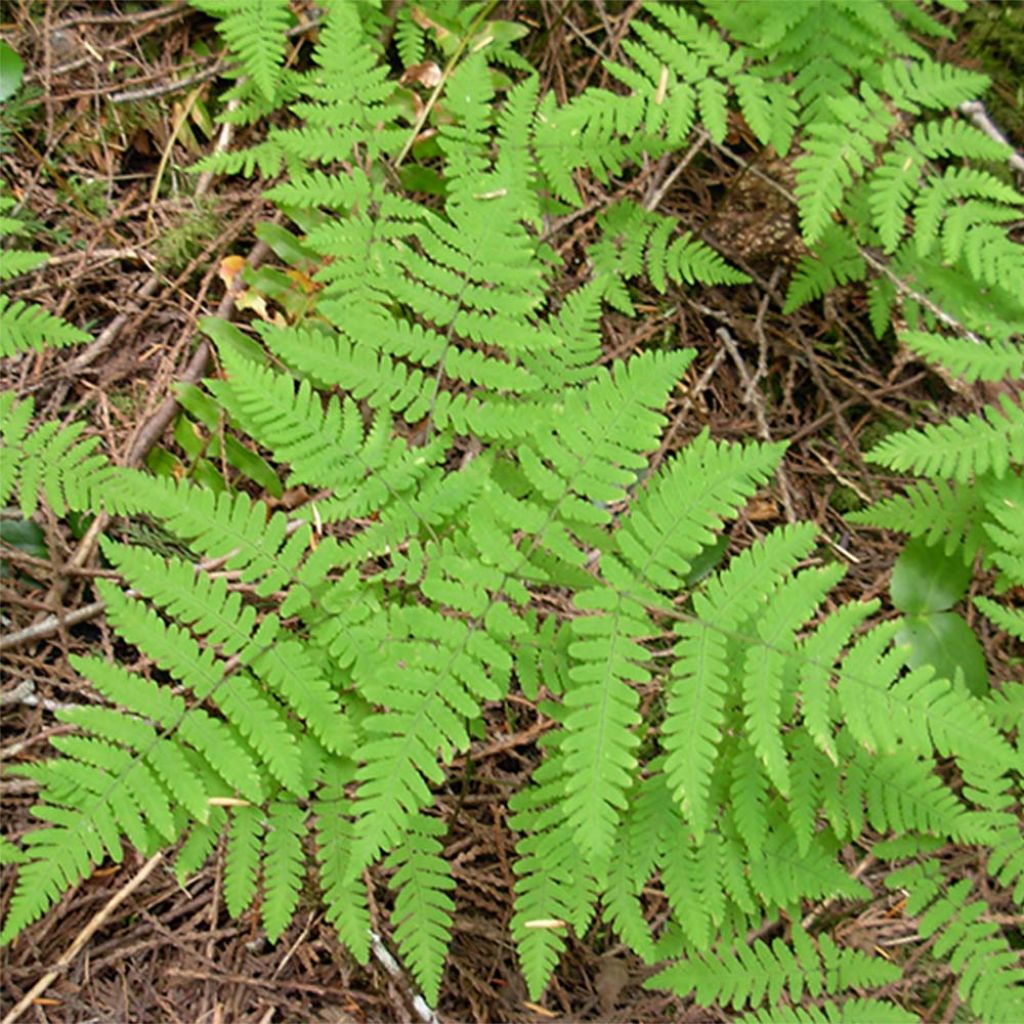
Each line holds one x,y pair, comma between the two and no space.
394,968
975,112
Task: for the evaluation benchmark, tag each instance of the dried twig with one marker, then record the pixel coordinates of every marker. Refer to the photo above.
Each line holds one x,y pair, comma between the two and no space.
975,112
51,624
394,968
752,396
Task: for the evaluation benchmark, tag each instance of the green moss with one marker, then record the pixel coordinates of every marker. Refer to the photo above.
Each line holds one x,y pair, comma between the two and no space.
184,242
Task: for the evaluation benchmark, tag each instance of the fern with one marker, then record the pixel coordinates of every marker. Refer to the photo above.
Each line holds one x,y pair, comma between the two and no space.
748,975
25,326
960,449
481,519
990,978
423,906
255,32
52,461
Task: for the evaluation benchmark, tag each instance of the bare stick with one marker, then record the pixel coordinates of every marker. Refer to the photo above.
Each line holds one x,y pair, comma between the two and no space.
975,112
753,399
98,920
51,624
394,968
652,204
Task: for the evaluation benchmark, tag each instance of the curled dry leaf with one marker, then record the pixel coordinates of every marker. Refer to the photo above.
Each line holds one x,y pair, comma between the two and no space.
427,74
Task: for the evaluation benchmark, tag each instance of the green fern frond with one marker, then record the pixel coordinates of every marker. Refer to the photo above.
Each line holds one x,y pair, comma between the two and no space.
1009,619
59,857
176,652
283,865
255,32
552,892
747,975
948,137
892,187
51,461
14,262
769,108
967,359
647,806
258,544
701,678
835,261
423,906
210,610
242,860
928,84
918,713
364,468
340,877
1006,507
940,194
960,449
837,151
24,326
849,1011
952,515
990,975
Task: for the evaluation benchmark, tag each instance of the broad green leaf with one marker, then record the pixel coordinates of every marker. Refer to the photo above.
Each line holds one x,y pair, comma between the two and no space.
924,579
11,71
945,641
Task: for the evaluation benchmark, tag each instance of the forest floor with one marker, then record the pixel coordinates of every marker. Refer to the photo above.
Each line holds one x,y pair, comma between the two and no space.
116,103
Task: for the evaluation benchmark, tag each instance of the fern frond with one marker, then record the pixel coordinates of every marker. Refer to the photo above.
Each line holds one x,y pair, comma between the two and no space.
765,664
769,108
1009,619
948,137
969,360
637,856
242,862
747,975
176,652
701,677
551,890
928,84
361,467
836,260
818,651
255,32
952,515
340,877
423,906
892,187
837,152
58,858
939,196
990,975
918,712
18,261
283,865
51,461
849,1011
962,448
257,543
1006,507
24,326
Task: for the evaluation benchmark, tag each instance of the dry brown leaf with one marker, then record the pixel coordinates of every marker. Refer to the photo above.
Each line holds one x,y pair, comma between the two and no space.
427,74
